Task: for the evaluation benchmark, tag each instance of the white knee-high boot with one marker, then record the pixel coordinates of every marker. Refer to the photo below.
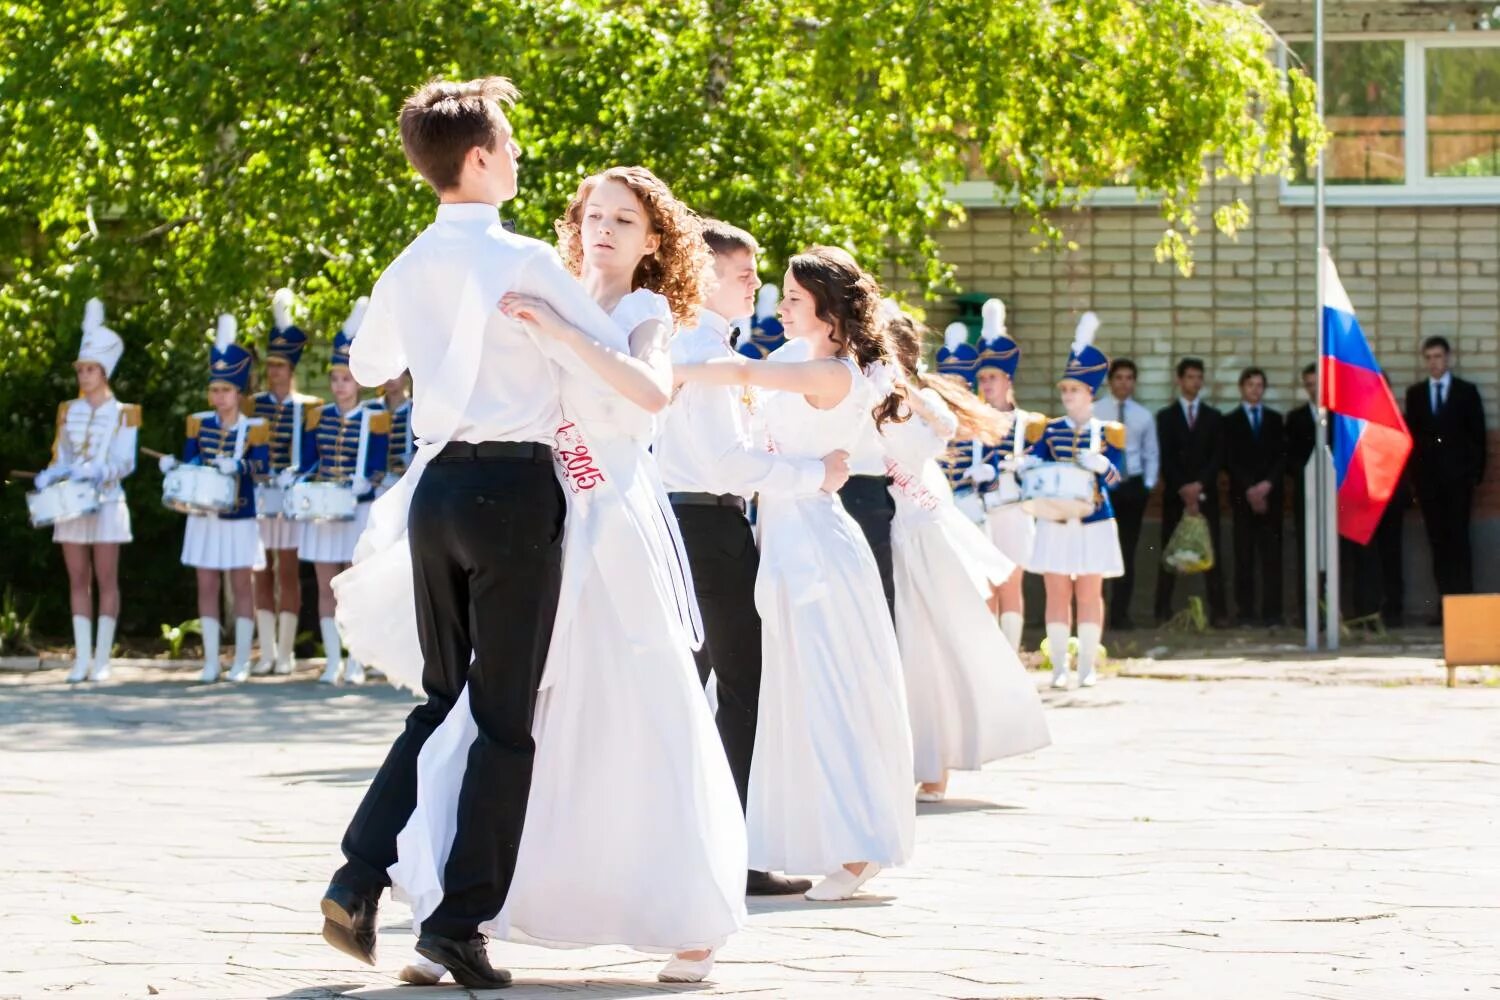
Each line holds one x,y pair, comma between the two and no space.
83,648
244,635
1057,650
265,628
333,649
1088,648
1011,624
210,628
286,642
105,643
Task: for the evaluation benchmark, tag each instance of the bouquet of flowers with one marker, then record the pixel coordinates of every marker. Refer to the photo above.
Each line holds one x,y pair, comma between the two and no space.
1190,550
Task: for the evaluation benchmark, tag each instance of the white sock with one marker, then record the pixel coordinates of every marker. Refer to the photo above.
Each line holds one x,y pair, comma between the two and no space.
332,648
286,636
244,635
265,623
210,628
1088,646
1057,647
106,641
1011,624
83,641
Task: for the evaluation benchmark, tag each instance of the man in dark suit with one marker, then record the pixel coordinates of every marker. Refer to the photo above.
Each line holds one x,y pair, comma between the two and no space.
1191,435
1254,454
1446,419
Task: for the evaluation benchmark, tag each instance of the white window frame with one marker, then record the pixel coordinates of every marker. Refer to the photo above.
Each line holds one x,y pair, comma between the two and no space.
1418,188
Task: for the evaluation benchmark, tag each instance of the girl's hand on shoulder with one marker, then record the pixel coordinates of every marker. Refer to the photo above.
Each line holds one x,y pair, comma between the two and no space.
536,313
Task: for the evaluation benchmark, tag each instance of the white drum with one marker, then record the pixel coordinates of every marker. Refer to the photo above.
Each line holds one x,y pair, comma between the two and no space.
1058,491
62,502
1007,491
320,502
198,489
270,500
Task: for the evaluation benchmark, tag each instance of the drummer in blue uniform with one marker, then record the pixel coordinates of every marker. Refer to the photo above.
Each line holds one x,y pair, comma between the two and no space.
1075,556
963,463
236,445
766,331
395,399
1012,529
288,413
346,447
95,444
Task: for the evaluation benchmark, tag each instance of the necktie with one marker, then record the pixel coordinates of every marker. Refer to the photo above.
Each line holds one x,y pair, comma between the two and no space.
1121,417
1437,394
1192,414
1255,420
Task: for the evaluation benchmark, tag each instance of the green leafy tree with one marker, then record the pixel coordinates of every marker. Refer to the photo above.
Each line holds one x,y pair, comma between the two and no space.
183,157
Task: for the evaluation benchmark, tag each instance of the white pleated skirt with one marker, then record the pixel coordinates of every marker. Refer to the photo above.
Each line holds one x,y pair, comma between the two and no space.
279,534
1076,549
210,542
110,524
332,541
1013,532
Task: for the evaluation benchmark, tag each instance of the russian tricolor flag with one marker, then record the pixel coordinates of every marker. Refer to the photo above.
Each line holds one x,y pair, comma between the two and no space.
1369,437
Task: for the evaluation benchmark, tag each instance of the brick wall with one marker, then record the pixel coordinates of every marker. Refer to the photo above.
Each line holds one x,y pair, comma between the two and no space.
1411,273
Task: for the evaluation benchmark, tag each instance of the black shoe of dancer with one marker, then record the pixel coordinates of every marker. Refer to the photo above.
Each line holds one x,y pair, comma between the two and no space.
771,884
349,922
467,961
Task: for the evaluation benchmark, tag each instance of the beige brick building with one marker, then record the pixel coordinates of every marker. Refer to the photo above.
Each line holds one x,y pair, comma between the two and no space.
1416,238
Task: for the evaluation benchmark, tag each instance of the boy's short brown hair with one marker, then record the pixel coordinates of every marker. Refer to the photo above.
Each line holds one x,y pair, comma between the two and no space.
723,238
444,119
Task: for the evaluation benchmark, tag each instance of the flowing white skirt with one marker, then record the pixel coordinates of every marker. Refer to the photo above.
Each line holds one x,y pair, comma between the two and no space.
332,541
1013,532
831,781
633,834
210,542
1077,549
970,699
109,524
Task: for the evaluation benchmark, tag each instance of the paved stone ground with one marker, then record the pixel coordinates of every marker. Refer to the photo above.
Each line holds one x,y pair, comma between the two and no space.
1253,835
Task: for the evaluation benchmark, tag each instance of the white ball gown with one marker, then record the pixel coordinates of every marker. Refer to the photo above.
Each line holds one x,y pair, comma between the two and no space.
970,698
634,834
831,781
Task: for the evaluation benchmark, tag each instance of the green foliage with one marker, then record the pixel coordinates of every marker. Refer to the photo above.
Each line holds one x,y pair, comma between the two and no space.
183,157
15,628
175,635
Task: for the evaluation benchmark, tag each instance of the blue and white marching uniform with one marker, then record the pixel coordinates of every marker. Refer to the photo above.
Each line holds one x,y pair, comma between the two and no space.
287,420
348,448
229,540
402,442
962,461
1011,529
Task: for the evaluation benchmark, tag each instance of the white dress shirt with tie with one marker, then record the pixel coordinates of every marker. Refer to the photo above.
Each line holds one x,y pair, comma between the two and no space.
707,443
1256,414
415,309
1437,391
1142,450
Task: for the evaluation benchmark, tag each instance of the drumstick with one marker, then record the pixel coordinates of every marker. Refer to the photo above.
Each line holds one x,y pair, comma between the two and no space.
22,474
152,453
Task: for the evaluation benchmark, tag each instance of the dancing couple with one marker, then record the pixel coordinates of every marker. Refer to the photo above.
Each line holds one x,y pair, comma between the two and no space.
564,783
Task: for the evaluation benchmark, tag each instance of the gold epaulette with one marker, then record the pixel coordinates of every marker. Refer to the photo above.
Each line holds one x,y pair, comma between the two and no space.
1114,433
308,401
130,415
380,421
62,418
258,433
312,416
1035,429
247,405
195,422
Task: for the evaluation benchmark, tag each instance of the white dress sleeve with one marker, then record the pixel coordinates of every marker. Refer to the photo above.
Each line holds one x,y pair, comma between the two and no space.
641,306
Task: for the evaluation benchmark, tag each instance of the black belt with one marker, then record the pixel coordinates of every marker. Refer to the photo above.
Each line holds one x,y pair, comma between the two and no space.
733,500
878,481
484,451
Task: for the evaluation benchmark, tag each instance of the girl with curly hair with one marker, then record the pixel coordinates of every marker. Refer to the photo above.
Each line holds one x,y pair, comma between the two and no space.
966,709
831,776
634,834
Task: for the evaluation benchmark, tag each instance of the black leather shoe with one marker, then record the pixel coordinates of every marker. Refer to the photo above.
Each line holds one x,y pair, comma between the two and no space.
467,961
771,884
349,922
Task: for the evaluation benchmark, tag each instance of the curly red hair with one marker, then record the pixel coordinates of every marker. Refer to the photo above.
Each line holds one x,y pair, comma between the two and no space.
679,269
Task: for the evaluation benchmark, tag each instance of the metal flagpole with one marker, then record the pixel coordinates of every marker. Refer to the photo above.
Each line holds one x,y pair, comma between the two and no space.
1326,540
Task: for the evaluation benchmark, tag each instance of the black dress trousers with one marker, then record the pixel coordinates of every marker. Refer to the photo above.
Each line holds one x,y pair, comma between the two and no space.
721,551
870,503
486,547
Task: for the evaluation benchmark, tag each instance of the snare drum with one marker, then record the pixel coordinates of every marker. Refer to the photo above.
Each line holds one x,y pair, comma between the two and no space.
198,489
1058,491
62,502
1007,491
270,500
320,502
